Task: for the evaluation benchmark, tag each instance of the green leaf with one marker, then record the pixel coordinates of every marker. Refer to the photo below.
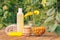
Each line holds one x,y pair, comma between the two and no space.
53,27
50,12
5,14
49,19
0,11
58,30
1,25
58,17
50,2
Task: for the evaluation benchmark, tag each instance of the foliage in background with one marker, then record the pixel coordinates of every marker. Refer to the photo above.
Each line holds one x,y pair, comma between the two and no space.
8,10
49,12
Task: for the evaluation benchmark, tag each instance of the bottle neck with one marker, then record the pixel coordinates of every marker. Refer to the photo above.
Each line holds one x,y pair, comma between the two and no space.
20,11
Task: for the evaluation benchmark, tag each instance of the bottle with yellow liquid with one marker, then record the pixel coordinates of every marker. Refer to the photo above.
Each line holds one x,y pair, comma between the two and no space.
20,25
20,21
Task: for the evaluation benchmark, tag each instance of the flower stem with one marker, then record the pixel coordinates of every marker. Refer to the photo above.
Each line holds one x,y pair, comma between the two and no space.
33,20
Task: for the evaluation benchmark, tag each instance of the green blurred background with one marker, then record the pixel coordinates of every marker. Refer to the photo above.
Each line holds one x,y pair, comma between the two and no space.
49,12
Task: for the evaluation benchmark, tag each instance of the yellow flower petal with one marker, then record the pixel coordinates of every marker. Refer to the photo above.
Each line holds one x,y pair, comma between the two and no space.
28,14
28,1
44,2
36,12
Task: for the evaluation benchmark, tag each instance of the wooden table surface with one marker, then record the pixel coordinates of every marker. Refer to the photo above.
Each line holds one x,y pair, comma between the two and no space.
46,36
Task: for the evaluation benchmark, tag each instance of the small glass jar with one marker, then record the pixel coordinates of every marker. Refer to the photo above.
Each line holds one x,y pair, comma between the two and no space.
27,30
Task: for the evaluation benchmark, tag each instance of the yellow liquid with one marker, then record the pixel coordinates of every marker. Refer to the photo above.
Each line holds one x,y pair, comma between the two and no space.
15,34
20,23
